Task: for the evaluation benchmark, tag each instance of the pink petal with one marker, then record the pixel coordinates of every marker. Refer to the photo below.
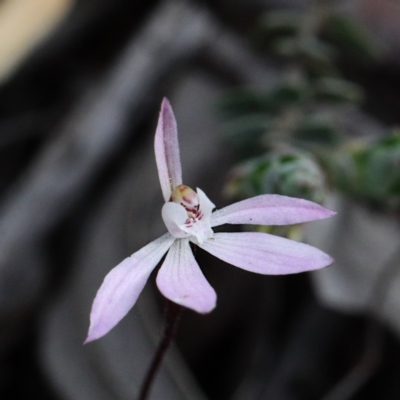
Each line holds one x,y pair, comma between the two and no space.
122,286
166,148
181,280
270,209
265,254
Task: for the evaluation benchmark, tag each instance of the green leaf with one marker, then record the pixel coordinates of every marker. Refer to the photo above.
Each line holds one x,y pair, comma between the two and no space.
248,124
353,39
380,170
288,94
318,56
318,129
290,173
337,90
370,172
245,132
242,101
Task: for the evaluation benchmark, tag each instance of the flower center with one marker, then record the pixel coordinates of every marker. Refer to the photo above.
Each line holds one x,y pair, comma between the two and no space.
187,198
187,214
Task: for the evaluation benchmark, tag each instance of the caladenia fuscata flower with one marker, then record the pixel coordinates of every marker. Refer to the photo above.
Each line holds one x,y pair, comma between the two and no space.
189,218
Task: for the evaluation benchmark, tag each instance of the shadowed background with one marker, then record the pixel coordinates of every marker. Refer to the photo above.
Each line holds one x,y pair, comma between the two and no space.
81,83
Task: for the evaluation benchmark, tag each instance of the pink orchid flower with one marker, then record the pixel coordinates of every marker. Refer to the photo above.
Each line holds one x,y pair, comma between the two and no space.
189,219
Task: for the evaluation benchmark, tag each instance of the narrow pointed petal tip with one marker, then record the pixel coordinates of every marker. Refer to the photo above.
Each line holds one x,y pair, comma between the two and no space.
91,337
122,287
180,280
329,261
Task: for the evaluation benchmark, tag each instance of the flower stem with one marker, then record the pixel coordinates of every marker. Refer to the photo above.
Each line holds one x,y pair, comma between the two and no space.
172,314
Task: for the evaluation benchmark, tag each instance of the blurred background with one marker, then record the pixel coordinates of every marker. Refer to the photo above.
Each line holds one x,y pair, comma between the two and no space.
296,97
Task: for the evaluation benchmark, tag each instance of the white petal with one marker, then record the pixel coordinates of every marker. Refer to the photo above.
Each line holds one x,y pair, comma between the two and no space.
206,205
181,280
200,231
122,286
166,148
174,216
265,254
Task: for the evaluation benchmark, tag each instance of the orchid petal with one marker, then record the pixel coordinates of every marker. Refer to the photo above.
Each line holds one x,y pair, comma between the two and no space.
206,205
270,209
122,286
180,280
166,148
265,254
174,216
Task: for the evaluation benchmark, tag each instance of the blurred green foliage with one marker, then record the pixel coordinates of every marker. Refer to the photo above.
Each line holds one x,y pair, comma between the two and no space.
353,40
291,173
337,90
290,139
369,171
290,113
317,37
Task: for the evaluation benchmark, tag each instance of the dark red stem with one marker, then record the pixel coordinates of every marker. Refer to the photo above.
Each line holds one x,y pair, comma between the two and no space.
172,314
